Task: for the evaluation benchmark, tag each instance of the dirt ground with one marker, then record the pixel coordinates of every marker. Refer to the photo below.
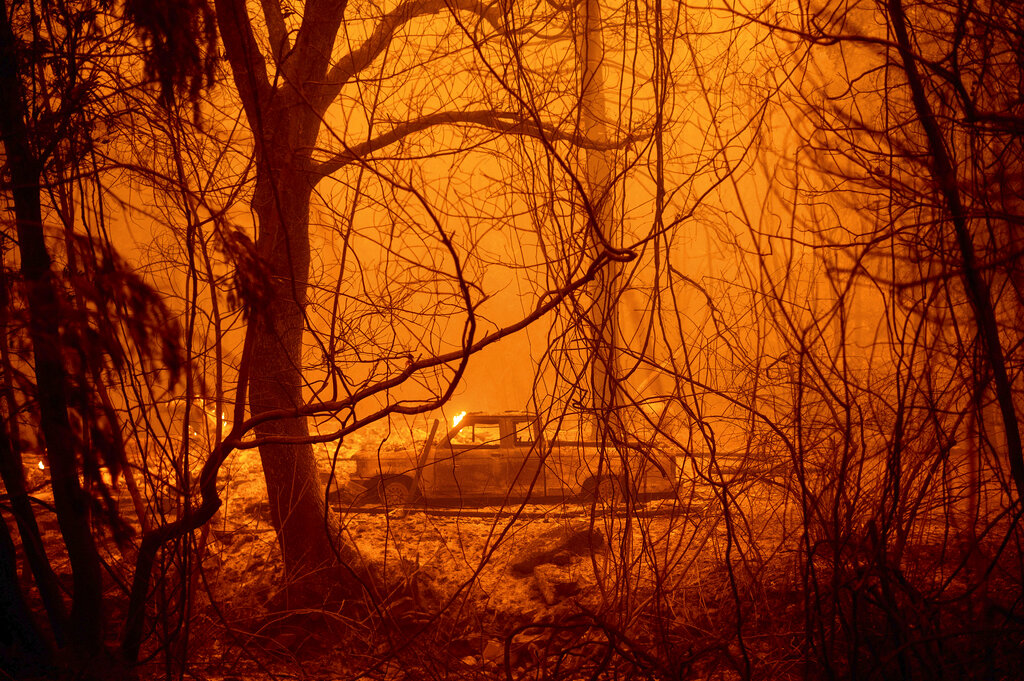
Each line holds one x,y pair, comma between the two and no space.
468,558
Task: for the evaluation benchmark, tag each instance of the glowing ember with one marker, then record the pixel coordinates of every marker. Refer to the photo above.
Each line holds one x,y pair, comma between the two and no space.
458,417
41,466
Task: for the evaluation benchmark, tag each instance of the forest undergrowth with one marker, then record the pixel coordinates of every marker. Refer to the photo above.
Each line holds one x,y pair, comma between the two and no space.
663,589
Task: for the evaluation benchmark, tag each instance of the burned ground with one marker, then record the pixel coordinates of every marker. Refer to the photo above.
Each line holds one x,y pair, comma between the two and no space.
669,588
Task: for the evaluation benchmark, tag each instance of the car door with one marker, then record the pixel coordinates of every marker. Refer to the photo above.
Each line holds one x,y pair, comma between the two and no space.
523,464
469,464
565,469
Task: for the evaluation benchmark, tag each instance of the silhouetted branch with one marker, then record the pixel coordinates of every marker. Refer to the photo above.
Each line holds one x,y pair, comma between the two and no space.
502,122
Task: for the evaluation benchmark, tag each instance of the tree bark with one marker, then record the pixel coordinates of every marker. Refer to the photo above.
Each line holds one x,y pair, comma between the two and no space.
596,170
293,484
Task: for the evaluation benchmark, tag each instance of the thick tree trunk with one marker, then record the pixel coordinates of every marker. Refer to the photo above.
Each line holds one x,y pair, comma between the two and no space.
293,483
24,649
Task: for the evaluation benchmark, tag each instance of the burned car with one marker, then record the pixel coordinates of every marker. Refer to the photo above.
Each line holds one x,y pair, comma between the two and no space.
512,457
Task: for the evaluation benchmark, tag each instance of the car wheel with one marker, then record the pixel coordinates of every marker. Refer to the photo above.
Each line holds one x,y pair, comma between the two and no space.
394,492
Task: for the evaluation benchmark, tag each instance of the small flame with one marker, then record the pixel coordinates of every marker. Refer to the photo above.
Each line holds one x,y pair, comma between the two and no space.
457,418
41,466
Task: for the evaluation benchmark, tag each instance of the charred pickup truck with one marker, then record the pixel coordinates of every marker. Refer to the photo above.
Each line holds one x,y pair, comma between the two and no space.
511,457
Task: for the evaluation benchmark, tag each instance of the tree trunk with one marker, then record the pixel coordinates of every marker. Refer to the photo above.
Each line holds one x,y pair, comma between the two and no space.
295,492
25,651
596,172
13,476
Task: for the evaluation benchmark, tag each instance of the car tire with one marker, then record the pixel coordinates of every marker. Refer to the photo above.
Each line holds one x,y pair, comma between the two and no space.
394,492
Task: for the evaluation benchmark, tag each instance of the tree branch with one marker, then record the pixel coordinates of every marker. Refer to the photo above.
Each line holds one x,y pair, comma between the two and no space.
361,57
244,56
978,291
499,121
276,30
545,304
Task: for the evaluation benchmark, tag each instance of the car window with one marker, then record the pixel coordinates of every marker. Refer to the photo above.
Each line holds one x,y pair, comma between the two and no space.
567,429
482,434
523,432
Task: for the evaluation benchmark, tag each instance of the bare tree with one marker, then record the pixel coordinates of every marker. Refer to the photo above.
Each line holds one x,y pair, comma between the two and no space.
288,70
895,313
